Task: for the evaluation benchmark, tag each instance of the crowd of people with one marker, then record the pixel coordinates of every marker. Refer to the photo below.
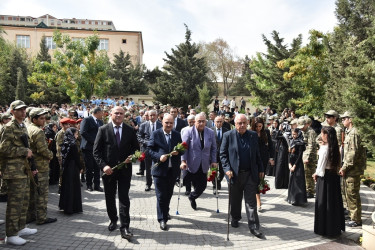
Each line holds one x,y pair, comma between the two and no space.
73,145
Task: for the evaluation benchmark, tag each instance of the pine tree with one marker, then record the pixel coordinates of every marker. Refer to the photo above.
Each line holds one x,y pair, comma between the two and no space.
20,89
43,54
205,98
182,74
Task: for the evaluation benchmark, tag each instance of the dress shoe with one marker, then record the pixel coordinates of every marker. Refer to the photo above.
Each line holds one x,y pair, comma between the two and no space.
148,188
112,226
126,234
99,189
140,173
187,192
163,225
193,203
89,188
47,220
256,233
234,223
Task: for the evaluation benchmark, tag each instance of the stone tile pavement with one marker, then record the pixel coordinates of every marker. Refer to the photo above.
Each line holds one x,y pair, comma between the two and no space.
285,226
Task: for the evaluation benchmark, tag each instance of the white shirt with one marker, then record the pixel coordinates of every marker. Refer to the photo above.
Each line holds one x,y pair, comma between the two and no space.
322,161
119,129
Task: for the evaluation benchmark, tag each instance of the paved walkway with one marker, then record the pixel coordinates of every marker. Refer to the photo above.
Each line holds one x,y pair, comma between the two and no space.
285,226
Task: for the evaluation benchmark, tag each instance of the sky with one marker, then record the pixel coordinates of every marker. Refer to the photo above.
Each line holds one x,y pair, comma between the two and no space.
239,22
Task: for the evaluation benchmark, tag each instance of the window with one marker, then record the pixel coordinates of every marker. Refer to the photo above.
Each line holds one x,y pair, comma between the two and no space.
50,44
23,41
103,44
104,23
72,21
109,23
124,41
52,22
22,19
82,40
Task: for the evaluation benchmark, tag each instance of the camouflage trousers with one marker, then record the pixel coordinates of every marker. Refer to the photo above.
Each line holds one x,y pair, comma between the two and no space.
37,209
309,171
18,201
3,187
353,199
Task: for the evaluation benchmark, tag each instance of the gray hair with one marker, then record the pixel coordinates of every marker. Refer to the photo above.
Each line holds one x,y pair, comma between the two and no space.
152,112
191,117
238,117
202,114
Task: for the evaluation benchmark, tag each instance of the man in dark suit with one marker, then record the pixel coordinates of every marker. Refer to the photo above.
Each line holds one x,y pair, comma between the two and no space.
89,129
161,143
219,131
239,154
143,136
115,143
178,123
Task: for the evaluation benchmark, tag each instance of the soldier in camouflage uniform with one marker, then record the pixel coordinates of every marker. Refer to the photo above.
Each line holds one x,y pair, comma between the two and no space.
59,137
332,120
42,155
15,175
4,119
353,167
309,156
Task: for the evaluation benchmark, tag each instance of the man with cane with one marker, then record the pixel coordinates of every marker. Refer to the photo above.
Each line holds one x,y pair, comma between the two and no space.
239,154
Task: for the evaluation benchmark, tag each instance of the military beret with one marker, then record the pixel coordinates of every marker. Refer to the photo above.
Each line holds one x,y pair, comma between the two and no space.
65,120
79,120
17,105
332,112
347,114
37,111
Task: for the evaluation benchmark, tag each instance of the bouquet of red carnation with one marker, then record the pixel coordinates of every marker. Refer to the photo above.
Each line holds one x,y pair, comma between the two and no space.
263,186
140,156
180,148
211,174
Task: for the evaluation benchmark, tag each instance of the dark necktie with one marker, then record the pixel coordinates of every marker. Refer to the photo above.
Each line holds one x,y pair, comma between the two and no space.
169,141
201,136
153,127
118,139
219,134
97,123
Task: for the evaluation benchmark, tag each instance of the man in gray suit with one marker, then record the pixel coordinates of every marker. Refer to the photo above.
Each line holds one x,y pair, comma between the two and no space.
211,122
143,135
239,154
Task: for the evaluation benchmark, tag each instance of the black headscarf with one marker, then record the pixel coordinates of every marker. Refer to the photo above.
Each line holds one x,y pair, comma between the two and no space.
298,141
50,134
68,142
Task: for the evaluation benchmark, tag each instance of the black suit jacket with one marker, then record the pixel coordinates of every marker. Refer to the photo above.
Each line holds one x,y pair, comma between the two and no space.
180,124
229,154
106,151
89,130
218,142
157,146
144,133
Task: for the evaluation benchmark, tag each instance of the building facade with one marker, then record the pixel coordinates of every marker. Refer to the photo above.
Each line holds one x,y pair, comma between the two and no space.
27,32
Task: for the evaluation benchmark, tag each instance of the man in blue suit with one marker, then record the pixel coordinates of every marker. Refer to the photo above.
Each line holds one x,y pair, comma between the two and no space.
200,155
89,129
161,143
239,154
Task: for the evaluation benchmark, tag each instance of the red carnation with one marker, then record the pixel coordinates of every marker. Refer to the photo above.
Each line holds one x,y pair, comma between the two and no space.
185,145
142,157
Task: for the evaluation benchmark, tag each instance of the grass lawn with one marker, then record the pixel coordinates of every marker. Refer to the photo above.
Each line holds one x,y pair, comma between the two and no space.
370,171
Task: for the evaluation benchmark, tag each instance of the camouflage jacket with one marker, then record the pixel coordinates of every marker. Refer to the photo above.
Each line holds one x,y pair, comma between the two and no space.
354,153
38,144
59,138
13,150
310,154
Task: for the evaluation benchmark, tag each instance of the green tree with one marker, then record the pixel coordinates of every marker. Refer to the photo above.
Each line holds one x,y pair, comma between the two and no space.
43,54
20,89
239,88
183,72
269,86
205,98
151,76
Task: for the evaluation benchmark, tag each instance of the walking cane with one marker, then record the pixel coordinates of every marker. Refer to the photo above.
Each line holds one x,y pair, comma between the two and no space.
179,191
217,196
229,199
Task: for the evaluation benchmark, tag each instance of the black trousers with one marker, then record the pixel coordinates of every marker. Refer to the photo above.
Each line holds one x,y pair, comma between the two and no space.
92,169
245,186
164,191
221,174
142,167
199,181
148,164
121,182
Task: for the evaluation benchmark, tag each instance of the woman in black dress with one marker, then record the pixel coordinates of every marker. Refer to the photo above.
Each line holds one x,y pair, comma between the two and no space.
281,168
297,184
329,211
70,197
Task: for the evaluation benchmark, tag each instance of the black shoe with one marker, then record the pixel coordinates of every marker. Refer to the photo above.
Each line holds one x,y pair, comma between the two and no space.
140,173
83,179
310,195
234,223
193,203
163,225
126,234
148,188
256,233
187,192
48,220
99,189
89,188
169,217
353,224
112,226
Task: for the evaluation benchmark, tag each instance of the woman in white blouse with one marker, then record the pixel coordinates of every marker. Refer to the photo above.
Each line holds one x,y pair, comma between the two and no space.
329,211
